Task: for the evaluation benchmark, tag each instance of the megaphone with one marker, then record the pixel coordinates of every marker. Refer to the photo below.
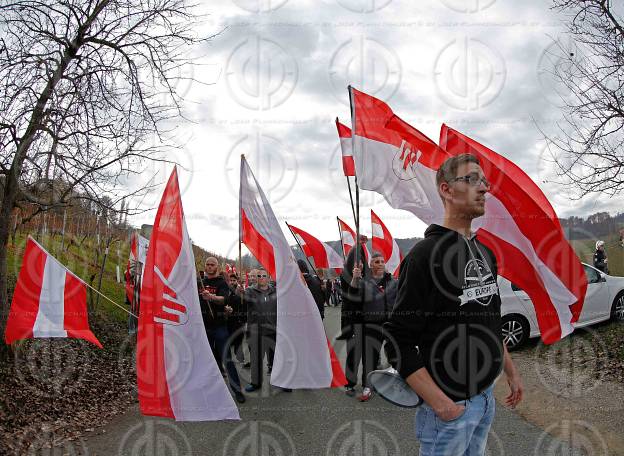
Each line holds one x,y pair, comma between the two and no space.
391,387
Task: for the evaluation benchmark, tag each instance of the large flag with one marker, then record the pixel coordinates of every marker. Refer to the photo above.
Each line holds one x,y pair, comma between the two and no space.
398,161
347,238
177,374
48,301
302,358
385,162
324,256
521,227
384,243
344,133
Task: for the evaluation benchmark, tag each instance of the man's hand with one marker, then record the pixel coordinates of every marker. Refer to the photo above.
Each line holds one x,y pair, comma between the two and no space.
516,391
228,310
357,271
208,296
450,411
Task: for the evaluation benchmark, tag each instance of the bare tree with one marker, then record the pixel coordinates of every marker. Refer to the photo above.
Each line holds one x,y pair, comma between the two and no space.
588,151
85,85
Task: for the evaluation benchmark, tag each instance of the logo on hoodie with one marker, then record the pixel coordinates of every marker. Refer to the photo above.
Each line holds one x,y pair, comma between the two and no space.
479,283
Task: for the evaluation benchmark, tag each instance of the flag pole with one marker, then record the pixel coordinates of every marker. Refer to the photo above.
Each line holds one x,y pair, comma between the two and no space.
109,300
299,244
240,233
357,228
341,241
351,195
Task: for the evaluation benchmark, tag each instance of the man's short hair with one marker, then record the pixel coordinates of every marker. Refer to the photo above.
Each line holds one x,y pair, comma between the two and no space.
376,255
448,170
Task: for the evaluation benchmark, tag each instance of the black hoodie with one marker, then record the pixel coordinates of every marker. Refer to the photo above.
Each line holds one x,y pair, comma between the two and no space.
448,306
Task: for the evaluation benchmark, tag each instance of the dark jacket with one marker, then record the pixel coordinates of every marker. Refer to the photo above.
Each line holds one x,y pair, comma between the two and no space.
238,317
261,306
213,314
314,284
373,299
447,314
599,260
351,310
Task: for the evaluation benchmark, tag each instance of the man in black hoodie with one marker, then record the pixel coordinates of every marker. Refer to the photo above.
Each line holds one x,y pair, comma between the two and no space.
213,290
446,324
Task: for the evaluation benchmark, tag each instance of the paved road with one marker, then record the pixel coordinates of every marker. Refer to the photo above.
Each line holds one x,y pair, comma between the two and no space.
319,422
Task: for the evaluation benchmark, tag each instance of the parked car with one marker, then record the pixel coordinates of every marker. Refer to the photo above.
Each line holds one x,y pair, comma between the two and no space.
604,300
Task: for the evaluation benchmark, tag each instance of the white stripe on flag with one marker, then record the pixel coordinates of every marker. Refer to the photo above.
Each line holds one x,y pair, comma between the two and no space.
51,314
500,223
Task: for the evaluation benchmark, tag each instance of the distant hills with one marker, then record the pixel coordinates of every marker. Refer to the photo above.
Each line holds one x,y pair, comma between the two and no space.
595,226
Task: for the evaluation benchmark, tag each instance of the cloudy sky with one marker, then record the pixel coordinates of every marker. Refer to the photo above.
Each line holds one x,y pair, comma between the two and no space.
271,83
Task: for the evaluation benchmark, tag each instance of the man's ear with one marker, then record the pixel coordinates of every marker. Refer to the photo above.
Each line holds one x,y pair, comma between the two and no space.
446,191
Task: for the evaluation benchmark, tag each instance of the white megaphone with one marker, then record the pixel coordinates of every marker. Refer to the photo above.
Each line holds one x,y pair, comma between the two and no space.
391,387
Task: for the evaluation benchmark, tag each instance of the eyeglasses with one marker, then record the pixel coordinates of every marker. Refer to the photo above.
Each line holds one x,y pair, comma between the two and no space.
473,179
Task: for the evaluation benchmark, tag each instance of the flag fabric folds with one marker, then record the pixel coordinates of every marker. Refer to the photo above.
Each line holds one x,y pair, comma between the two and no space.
344,133
384,243
520,226
302,358
177,374
48,301
324,256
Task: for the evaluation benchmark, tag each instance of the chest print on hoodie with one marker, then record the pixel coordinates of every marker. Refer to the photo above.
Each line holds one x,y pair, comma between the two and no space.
479,281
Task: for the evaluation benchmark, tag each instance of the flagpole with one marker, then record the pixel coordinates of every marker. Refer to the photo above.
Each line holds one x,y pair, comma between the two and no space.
357,227
240,236
110,300
341,241
351,195
299,244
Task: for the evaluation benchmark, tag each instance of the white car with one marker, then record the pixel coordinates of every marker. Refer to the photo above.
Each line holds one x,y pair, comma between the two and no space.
604,300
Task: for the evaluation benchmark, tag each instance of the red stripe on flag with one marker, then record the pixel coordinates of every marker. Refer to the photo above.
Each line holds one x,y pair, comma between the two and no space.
258,245
343,130
313,247
165,246
338,376
76,319
25,304
348,165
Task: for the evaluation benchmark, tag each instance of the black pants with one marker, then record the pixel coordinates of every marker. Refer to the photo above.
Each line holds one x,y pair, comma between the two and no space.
261,342
363,348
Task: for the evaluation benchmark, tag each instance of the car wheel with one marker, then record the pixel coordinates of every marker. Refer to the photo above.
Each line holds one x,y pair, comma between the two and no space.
617,309
515,331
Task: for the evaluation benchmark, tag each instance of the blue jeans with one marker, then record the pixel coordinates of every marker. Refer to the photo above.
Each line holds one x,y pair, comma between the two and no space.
464,436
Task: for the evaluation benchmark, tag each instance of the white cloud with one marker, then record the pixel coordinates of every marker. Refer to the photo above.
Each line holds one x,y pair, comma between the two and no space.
278,79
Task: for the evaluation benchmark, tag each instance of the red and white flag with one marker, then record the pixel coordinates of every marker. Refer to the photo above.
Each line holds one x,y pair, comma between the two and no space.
48,301
177,374
384,243
302,357
324,256
523,230
347,237
398,161
230,269
344,133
